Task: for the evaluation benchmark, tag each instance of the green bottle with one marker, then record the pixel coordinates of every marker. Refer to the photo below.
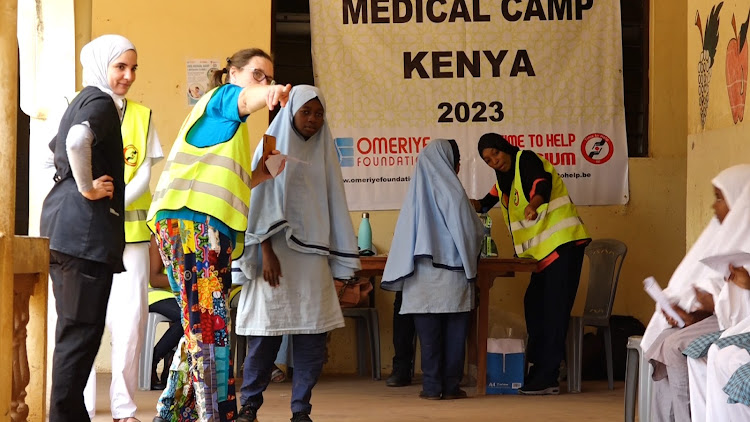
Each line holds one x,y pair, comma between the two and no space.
364,238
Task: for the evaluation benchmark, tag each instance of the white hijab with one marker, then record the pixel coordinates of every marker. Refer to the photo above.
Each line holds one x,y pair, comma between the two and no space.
691,272
97,55
732,304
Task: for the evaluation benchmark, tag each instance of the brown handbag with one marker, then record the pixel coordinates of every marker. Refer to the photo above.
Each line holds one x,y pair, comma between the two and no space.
353,293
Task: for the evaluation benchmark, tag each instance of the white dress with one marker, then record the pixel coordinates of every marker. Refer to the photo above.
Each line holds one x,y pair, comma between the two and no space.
304,302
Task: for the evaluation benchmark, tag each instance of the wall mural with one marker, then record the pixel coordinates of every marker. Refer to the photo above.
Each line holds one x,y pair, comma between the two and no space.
737,70
710,39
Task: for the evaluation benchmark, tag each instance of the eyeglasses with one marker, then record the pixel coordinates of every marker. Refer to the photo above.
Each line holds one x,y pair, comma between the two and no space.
259,76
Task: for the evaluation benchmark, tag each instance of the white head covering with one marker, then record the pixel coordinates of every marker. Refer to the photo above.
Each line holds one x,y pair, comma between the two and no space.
691,272
732,304
96,57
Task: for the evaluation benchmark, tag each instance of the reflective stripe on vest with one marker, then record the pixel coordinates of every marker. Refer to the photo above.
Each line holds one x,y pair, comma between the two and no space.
135,124
213,180
557,221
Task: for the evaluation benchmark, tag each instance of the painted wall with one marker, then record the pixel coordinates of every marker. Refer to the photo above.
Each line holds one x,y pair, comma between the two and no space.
722,140
652,224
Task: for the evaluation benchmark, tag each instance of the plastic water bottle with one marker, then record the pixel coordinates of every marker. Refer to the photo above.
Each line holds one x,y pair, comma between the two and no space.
489,248
364,237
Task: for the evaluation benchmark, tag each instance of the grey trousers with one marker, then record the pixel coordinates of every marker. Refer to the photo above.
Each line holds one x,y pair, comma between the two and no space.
671,394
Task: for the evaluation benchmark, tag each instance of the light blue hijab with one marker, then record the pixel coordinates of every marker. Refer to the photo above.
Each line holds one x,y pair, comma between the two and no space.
306,201
436,220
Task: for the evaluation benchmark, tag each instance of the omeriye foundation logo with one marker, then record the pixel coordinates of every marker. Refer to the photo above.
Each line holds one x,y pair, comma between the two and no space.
394,151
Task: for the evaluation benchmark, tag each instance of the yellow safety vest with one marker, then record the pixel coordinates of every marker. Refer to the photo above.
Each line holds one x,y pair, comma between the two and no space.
557,222
135,124
156,294
213,180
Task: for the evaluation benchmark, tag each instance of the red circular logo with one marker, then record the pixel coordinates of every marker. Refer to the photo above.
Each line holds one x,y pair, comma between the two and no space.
597,148
515,197
130,153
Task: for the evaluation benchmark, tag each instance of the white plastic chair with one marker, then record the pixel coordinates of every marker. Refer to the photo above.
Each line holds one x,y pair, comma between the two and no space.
147,351
637,377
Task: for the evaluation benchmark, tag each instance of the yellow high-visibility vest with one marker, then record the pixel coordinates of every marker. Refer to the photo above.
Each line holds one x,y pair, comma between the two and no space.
557,221
213,180
135,124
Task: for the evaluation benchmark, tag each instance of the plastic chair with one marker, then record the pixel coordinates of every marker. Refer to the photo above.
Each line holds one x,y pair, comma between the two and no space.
637,381
237,344
147,351
605,262
368,332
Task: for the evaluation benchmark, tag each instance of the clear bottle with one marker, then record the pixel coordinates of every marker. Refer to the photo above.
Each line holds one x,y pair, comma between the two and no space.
489,248
364,237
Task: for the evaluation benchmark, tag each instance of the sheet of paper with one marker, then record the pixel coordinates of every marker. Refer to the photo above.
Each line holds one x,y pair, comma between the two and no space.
657,294
273,163
720,263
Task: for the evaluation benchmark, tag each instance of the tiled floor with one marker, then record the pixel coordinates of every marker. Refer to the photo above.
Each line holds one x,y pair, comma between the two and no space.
356,399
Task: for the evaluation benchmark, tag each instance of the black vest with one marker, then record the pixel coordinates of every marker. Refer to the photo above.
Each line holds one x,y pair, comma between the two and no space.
92,230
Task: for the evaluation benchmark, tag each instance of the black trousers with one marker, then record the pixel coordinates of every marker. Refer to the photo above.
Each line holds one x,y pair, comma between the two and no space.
170,309
81,288
403,338
547,305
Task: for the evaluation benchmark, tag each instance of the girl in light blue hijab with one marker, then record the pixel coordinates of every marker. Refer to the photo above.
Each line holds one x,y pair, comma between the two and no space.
433,260
299,239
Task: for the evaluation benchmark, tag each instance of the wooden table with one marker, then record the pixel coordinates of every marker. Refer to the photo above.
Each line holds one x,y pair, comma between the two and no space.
489,269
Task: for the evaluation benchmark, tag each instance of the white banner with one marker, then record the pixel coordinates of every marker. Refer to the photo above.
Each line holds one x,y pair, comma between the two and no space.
546,74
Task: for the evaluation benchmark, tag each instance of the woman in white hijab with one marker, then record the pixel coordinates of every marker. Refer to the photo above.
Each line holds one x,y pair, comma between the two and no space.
693,287
709,374
83,218
128,307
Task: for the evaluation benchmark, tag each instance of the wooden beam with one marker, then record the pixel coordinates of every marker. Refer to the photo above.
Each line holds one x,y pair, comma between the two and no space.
8,123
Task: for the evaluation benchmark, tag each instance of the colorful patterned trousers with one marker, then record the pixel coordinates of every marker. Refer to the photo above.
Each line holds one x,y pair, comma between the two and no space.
200,386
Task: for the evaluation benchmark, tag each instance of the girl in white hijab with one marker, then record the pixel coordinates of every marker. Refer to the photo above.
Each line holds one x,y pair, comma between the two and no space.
693,287
83,218
709,374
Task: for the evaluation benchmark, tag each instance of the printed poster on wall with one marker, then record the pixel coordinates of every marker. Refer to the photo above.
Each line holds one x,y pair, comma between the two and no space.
546,74
199,72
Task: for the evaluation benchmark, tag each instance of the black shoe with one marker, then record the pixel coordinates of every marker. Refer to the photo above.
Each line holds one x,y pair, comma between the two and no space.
247,414
300,417
537,388
158,419
156,384
460,394
427,396
398,379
